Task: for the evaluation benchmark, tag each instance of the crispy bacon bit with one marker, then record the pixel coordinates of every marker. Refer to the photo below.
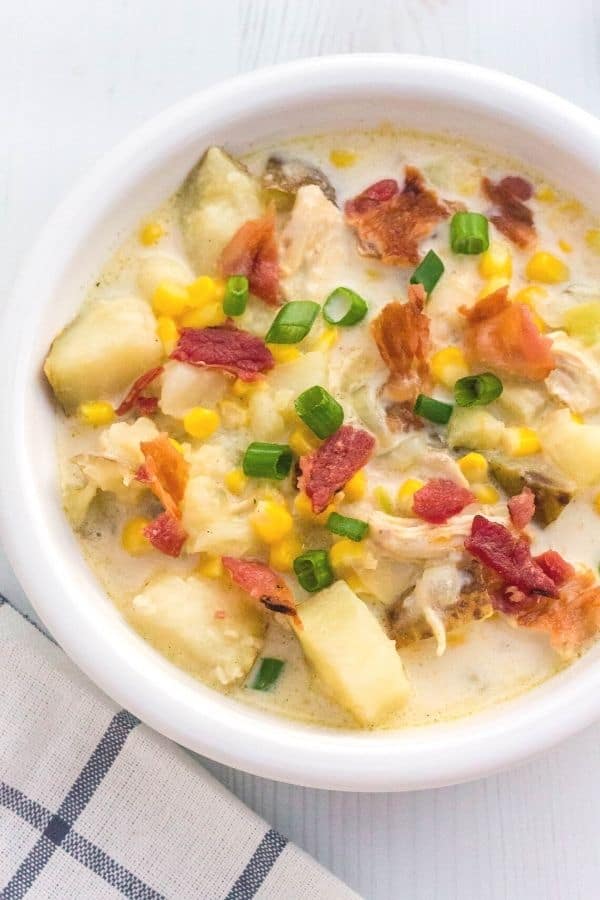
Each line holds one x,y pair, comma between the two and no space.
252,252
503,336
514,219
134,396
263,584
166,533
401,332
165,471
333,464
231,349
440,499
509,556
391,222
557,568
521,508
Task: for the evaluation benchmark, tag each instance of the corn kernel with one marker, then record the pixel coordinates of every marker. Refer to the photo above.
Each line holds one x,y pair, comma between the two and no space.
546,194
592,239
474,467
406,492
530,297
577,418
342,159
271,521
151,233
96,413
209,565
242,388
202,291
327,339
565,246
303,441
383,499
355,583
597,503
204,316
303,508
356,488
284,552
170,299
448,365
167,331
485,493
284,353
583,322
177,445
497,260
521,441
200,422
345,554
133,539
571,208
235,481
547,268
233,413
492,285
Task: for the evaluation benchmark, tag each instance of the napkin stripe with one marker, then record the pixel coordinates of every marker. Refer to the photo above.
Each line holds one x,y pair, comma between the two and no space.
258,867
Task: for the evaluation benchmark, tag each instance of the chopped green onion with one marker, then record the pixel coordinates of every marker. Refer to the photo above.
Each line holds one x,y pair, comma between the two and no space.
434,410
236,295
428,272
477,390
344,307
267,460
355,529
469,233
292,322
313,570
317,409
268,673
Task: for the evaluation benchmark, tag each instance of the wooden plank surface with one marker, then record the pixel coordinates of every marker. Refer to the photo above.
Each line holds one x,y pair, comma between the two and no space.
76,78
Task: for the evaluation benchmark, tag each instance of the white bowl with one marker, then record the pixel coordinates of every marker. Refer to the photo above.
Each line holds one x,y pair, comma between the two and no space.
302,97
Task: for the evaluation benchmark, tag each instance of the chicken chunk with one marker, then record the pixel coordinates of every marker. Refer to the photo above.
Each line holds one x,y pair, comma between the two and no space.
576,379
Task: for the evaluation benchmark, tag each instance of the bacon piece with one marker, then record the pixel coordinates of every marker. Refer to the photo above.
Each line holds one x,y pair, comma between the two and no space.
263,584
231,349
440,499
165,471
514,219
503,336
134,397
252,252
401,332
166,533
521,508
391,222
509,556
333,464
557,568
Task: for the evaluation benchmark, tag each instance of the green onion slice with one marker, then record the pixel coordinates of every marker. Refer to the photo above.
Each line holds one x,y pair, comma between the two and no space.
477,390
355,529
313,570
433,410
344,307
317,409
469,233
267,460
292,322
428,272
236,295
268,673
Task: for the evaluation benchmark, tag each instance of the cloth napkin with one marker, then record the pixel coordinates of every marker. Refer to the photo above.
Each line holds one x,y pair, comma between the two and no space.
93,804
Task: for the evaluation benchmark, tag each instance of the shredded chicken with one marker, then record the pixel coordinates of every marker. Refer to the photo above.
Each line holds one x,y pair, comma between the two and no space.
576,379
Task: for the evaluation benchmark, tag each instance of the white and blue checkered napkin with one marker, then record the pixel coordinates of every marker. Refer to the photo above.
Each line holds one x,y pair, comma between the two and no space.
93,804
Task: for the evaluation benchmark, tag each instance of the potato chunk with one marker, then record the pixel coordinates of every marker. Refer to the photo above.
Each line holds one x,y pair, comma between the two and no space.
102,351
574,448
201,626
352,656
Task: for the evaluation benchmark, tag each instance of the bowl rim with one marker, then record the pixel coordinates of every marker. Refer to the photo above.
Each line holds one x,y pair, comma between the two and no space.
258,743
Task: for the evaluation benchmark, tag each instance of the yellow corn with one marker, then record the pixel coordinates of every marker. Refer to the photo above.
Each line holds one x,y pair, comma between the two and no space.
530,296
327,339
345,554
546,194
571,208
233,413
242,388
547,268
448,365
485,493
578,418
177,445
383,499
202,291
271,521
284,552
133,539
170,299
166,330
565,246
583,322
492,285
284,353
406,492
474,467
209,565
96,413
597,503
356,488
496,261
303,508
204,316
521,441
200,422
235,481
303,441
151,233
342,159
355,583
592,239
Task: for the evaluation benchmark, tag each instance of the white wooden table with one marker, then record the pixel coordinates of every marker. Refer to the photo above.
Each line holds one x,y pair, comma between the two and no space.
74,78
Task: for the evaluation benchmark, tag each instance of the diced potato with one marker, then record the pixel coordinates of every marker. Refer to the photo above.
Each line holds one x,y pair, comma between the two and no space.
217,197
351,654
475,429
523,403
160,268
210,520
574,448
122,441
102,351
266,420
184,387
110,475
300,374
200,625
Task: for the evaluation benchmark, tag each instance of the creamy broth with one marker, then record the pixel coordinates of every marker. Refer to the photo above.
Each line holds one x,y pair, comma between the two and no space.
463,670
